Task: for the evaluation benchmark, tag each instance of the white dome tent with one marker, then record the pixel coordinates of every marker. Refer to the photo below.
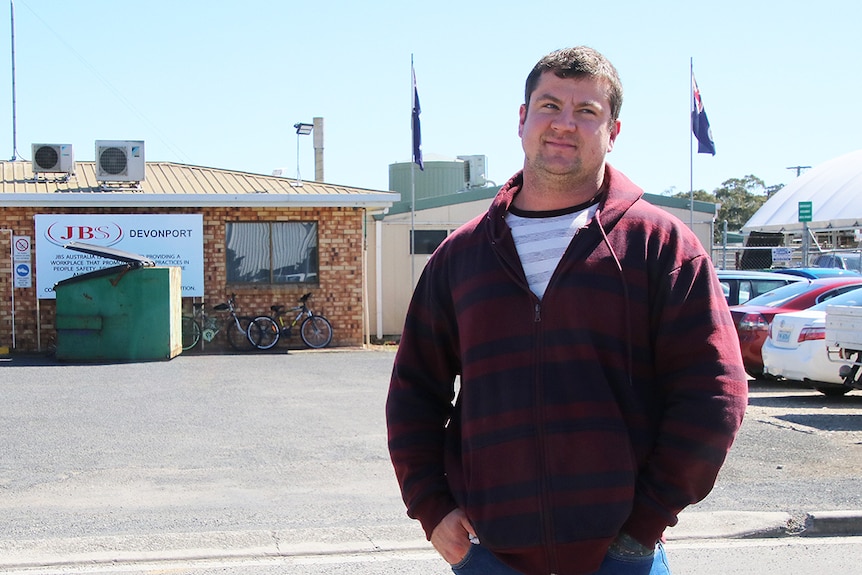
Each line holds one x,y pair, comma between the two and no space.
834,189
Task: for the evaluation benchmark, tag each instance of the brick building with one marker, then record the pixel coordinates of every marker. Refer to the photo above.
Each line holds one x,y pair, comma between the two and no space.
245,218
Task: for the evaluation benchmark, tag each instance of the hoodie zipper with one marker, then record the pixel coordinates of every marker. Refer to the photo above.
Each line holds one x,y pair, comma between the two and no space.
545,517
544,497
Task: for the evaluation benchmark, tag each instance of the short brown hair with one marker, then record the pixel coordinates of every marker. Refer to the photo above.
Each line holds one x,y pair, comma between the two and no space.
579,62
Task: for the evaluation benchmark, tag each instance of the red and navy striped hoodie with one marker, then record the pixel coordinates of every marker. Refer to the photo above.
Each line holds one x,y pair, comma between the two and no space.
609,405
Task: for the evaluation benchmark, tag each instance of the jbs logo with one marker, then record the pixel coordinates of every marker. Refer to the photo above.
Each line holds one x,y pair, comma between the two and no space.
104,234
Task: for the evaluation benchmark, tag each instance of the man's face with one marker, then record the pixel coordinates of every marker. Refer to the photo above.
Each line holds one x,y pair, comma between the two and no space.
566,131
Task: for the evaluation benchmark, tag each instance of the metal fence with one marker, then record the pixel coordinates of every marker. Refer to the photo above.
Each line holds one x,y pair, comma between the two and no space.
824,248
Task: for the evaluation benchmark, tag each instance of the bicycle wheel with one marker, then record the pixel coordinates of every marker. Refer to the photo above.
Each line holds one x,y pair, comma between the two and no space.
263,332
238,336
316,331
191,332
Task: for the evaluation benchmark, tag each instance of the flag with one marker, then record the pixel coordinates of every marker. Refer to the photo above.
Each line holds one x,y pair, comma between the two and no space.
699,122
417,134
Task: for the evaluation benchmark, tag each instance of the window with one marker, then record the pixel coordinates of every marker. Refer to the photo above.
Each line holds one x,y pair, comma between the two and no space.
427,240
272,252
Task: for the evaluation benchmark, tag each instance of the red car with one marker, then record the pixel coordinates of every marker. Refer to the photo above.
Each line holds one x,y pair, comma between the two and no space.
752,318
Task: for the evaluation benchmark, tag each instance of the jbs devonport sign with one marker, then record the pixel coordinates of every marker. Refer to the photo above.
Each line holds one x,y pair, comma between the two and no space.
168,240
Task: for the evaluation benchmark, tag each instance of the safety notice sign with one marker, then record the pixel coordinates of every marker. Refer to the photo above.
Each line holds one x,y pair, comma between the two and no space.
21,254
21,248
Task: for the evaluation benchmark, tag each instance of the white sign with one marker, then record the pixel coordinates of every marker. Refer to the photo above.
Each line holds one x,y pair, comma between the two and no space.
21,248
782,255
167,239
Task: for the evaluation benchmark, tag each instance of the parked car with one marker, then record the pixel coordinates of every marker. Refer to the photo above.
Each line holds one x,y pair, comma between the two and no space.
741,285
796,346
840,260
815,273
752,318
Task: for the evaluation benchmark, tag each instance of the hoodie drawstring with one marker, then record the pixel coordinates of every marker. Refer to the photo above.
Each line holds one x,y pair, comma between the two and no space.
628,326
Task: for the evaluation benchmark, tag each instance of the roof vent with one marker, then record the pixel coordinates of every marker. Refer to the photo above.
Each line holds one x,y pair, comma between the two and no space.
57,158
120,160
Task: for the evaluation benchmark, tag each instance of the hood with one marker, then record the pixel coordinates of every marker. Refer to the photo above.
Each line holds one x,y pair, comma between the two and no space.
621,195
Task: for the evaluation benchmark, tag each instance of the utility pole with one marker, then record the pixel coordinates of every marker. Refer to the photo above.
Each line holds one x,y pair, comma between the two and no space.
798,169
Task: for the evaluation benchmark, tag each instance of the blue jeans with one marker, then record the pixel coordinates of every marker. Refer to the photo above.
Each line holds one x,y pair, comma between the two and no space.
480,561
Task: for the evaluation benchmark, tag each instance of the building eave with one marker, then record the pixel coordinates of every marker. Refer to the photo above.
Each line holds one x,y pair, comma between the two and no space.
109,199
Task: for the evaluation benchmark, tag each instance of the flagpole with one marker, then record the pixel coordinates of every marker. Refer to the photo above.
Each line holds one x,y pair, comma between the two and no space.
691,144
412,182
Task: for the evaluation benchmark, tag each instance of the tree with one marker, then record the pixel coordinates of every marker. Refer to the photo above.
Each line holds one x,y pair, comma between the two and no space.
740,198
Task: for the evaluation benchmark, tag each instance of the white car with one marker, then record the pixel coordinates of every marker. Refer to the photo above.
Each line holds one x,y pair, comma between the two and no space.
739,286
795,348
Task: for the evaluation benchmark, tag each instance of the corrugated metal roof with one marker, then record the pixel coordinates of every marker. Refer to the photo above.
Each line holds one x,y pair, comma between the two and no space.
470,195
171,184
473,194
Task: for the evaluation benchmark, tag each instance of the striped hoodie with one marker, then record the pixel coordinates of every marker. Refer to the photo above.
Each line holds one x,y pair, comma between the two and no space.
607,406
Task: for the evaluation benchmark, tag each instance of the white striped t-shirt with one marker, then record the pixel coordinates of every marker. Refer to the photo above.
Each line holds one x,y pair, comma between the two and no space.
543,237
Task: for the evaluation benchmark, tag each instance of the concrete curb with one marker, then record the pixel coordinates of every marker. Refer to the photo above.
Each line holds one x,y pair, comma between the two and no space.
741,525
729,525
156,548
833,523
153,548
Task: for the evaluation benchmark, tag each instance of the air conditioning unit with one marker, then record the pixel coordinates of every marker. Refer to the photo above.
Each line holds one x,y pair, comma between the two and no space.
474,170
53,158
120,161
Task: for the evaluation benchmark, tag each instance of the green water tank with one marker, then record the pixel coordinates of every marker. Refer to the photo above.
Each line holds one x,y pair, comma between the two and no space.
438,179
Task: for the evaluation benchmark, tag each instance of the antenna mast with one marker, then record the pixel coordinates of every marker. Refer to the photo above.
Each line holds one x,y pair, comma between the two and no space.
14,111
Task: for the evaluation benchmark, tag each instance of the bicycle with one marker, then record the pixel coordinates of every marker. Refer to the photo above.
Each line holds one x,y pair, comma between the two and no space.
200,325
315,330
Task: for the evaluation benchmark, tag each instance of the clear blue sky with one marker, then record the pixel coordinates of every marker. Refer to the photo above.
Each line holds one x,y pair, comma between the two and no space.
220,84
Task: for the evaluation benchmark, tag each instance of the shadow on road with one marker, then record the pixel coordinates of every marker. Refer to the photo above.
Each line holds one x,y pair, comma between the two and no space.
826,422
814,399
797,394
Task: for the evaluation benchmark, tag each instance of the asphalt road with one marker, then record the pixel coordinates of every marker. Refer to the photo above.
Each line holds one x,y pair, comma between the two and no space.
798,450
197,443
293,447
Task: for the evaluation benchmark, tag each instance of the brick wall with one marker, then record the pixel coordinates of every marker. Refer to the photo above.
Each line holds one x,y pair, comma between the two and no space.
338,296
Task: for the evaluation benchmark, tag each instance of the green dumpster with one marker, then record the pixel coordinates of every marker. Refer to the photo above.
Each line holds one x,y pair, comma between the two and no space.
130,311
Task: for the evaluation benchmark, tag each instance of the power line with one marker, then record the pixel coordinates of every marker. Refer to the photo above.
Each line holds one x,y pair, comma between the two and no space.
125,101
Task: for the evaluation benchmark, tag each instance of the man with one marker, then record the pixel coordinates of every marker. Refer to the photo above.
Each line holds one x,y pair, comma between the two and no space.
601,383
